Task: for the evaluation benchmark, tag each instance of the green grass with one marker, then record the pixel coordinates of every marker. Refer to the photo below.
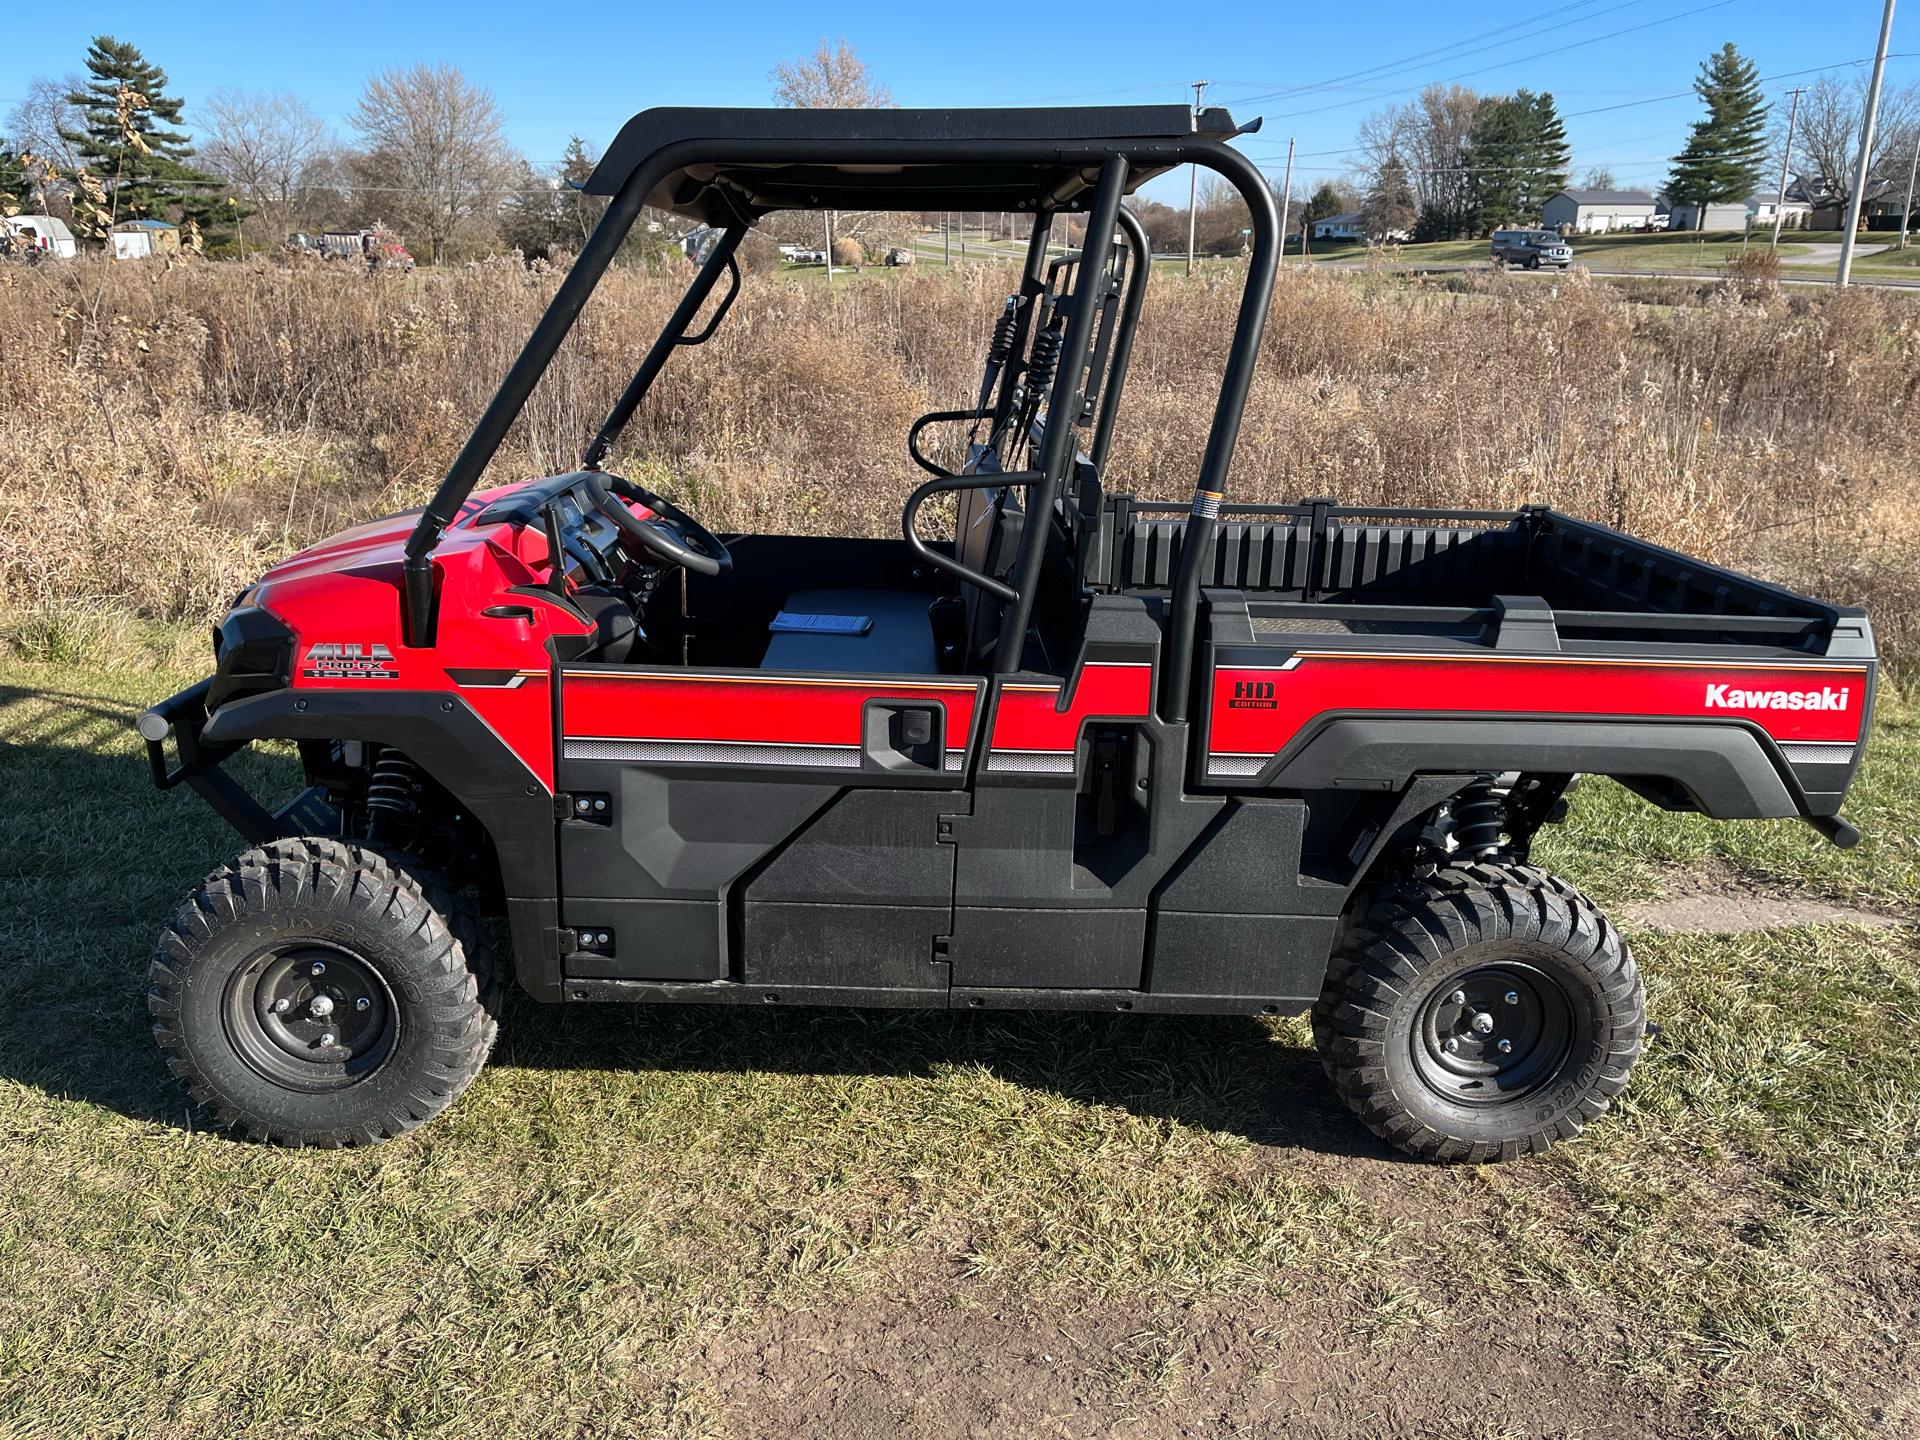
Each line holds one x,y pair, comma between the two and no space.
622,1186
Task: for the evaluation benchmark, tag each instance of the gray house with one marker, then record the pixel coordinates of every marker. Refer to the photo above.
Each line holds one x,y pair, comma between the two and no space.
1592,212
1729,216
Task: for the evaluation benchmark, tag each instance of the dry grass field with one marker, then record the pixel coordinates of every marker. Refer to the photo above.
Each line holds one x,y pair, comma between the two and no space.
168,433
681,1222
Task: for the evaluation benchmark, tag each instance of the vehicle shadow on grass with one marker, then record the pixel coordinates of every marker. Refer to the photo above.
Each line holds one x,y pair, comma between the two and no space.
96,859
1222,1073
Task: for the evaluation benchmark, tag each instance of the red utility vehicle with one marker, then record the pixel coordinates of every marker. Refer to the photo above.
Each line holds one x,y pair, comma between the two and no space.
1094,753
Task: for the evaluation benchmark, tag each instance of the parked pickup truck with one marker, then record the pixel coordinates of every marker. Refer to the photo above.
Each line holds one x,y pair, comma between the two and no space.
1093,752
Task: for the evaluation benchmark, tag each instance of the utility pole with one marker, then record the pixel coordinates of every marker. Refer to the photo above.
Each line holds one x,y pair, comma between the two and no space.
1193,178
1866,149
1286,198
947,226
1912,171
827,215
1786,167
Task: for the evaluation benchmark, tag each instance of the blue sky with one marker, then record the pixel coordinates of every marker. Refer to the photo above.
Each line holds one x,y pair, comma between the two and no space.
557,70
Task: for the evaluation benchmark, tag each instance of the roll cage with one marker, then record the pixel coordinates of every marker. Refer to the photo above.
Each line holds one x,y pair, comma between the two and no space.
729,168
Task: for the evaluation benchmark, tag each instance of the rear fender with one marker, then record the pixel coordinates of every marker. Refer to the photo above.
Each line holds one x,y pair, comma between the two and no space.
1728,770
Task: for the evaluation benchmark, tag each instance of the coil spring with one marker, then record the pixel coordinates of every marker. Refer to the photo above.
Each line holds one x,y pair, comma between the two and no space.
1479,815
1046,357
394,781
1002,345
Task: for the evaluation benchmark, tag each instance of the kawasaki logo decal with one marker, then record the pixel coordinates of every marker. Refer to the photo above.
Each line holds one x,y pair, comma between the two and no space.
331,660
1720,697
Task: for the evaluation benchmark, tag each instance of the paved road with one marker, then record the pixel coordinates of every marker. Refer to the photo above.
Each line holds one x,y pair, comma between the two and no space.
1414,267
1824,252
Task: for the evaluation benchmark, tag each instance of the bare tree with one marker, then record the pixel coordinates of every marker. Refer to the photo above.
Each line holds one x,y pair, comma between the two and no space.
1598,177
34,129
263,146
435,154
36,122
1426,138
831,78
1826,140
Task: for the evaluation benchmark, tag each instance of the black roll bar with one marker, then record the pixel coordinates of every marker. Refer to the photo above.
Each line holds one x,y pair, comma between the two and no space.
1064,408
641,181
1176,677
1123,341
672,335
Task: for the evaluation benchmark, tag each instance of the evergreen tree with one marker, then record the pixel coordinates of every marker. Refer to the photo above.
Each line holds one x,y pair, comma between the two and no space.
1492,160
1722,160
1325,202
126,142
1389,206
1547,160
1516,158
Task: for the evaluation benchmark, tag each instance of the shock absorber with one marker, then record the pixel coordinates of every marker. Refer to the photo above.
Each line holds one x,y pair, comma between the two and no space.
1479,815
392,783
1003,328
1046,357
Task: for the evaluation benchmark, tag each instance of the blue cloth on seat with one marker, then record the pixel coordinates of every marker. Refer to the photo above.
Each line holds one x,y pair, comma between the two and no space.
900,642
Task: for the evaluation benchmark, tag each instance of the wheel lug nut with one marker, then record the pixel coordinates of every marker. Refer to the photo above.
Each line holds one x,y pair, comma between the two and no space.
319,968
1513,997
1482,1023
282,1005
1459,997
1506,1047
1453,1045
362,1003
327,1039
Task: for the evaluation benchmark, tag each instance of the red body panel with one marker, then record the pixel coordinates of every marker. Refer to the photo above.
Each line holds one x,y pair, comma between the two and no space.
342,600
744,719
1256,711
1031,730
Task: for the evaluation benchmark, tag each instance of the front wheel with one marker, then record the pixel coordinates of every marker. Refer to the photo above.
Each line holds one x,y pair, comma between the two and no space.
317,992
1480,1022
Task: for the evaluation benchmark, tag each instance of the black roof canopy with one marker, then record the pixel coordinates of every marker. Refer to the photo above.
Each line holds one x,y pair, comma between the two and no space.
895,159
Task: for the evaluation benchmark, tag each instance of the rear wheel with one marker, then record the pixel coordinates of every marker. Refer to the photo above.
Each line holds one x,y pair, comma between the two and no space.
316,992
1481,1017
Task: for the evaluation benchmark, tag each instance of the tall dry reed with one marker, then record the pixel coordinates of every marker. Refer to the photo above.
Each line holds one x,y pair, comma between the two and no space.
166,434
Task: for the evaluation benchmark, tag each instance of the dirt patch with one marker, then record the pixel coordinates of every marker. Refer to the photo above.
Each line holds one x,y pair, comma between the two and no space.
1720,900
957,1363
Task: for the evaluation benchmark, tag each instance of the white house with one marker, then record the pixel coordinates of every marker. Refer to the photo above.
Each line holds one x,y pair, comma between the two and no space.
1351,227
1339,227
1715,216
1594,212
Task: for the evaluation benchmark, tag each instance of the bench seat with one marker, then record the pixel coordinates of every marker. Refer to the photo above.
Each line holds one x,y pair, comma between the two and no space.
900,641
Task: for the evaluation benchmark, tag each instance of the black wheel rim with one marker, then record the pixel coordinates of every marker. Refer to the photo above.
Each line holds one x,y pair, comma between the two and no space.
311,1016
1494,1034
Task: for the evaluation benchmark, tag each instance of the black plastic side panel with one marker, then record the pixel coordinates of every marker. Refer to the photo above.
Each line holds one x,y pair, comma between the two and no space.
675,837
882,946
651,939
1241,954
858,898
1723,767
1049,949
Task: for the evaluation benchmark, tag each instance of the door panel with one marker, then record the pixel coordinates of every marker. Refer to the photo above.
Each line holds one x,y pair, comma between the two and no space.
702,790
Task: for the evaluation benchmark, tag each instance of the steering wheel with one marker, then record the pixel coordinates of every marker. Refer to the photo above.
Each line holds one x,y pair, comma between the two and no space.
672,535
